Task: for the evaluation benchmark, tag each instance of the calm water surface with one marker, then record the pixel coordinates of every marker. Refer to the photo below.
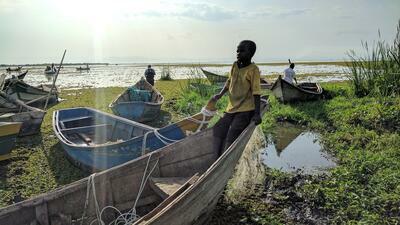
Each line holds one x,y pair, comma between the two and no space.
127,74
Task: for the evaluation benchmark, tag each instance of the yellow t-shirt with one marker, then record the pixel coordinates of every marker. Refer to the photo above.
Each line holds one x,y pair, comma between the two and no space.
243,83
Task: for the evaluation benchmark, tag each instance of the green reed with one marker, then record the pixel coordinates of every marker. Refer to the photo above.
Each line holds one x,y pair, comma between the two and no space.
378,72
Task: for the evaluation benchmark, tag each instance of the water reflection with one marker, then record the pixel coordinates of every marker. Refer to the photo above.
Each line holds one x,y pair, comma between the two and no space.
293,148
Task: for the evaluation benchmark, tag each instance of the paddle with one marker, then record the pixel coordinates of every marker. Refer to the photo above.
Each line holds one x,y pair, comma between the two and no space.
54,80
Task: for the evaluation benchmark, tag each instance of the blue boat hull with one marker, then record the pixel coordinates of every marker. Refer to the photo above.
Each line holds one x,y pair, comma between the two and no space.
137,111
93,145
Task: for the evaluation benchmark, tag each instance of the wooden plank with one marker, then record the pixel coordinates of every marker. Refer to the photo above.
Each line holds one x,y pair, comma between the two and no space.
166,186
168,200
42,214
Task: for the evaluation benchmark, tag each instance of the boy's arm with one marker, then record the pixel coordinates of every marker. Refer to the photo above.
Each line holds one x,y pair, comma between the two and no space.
222,92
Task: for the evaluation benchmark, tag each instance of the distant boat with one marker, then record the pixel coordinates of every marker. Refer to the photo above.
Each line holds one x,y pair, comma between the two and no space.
9,69
141,102
178,184
14,110
220,80
287,92
19,77
83,68
33,96
214,78
8,135
50,70
94,140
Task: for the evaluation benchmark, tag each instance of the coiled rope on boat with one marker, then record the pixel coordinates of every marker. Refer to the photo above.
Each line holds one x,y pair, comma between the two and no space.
127,218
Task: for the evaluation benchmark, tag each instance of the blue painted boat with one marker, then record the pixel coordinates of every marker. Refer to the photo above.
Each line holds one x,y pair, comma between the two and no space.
8,136
95,141
141,102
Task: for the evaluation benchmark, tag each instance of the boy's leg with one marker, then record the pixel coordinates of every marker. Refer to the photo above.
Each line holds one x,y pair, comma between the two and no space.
220,130
239,123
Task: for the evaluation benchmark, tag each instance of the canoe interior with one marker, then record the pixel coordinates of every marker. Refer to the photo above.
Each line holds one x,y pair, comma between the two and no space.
14,110
117,186
95,141
33,96
141,103
127,96
82,126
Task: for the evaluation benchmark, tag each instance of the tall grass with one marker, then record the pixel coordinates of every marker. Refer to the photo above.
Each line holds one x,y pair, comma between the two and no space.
166,73
378,72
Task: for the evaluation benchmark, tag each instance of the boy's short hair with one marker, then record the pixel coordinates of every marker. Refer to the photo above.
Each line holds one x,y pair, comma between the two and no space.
251,45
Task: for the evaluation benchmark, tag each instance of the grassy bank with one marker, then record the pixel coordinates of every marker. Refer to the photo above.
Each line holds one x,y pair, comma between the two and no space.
362,133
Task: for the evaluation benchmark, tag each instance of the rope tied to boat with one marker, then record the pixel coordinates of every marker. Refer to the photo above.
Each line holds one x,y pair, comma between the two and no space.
166,141
127,218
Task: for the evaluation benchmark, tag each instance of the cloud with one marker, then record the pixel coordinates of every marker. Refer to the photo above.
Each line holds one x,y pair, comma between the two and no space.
208,12
215,13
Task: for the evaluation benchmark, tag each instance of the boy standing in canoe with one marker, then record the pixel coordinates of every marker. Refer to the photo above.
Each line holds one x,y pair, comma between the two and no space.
244,90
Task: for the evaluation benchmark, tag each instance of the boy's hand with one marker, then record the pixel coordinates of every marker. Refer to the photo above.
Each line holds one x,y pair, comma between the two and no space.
216,97
257,119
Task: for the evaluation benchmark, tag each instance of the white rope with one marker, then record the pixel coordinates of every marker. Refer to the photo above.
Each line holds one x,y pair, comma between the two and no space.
127,218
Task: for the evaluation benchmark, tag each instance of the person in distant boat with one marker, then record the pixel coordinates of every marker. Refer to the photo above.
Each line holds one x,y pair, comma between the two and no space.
244,90
149,74
289,74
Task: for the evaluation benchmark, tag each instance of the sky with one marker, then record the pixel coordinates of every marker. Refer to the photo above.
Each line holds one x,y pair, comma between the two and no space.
141,31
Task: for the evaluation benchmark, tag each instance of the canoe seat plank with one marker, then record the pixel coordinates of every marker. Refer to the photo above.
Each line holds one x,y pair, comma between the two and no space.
166,186
76,119
76,129
169,199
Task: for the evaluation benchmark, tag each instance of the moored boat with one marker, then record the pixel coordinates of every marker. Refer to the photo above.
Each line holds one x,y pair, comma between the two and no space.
214,78
14,110
94,140
220,80
177,184
50,70
83,68
9,69
141,102
8,135
32,96
287,92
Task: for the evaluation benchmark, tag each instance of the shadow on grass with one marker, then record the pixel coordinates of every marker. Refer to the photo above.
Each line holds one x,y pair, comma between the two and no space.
63,170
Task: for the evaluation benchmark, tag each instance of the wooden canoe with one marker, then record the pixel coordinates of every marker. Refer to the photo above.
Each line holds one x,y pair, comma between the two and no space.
214,78
9,69
220,80
185,181
19,77
132,106
14,110
287,92
95,141
8,136
50,71
83,68
32,96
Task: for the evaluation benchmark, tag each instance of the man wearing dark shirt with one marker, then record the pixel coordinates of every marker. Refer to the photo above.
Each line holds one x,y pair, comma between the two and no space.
149,74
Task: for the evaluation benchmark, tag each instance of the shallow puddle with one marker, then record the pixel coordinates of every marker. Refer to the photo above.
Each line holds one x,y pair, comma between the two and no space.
291,148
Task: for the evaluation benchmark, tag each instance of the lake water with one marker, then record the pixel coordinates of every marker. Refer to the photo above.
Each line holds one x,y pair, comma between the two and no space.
127,74
292,148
